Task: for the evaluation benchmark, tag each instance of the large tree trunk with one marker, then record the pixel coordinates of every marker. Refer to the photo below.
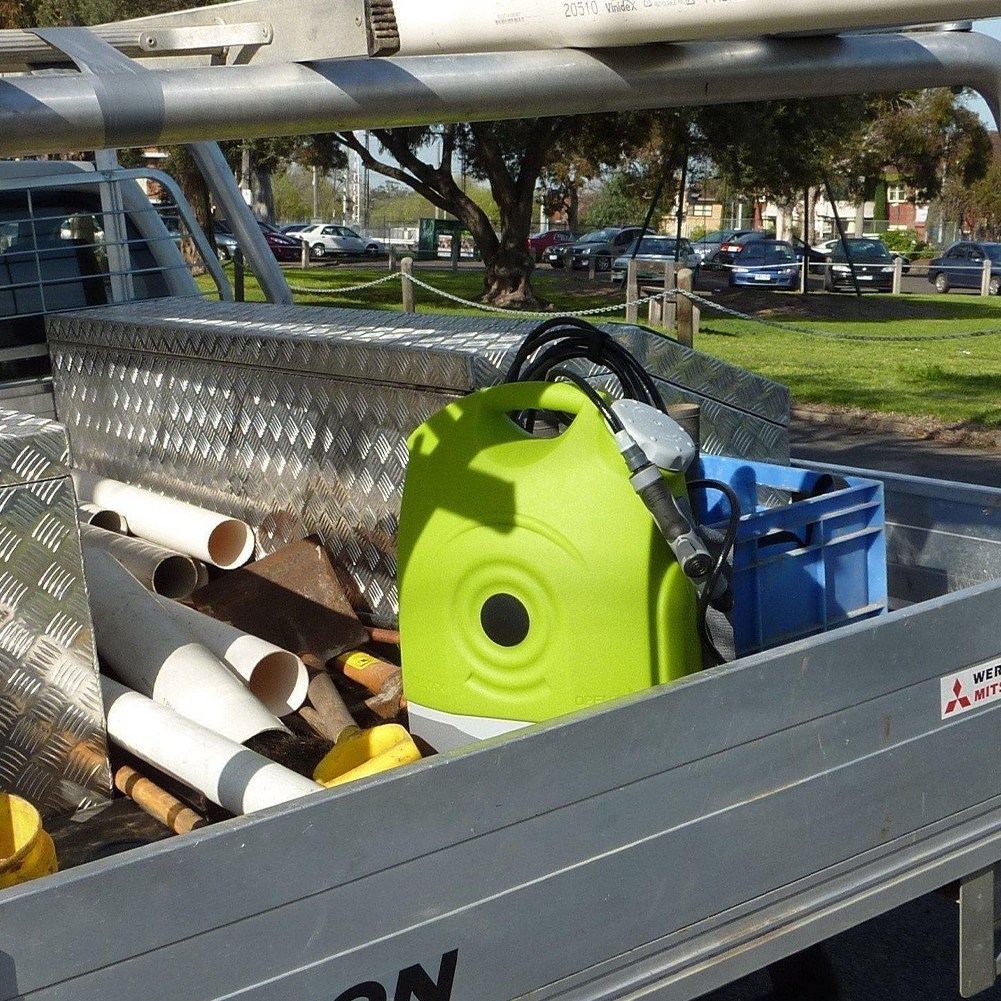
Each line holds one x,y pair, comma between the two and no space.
815,194
197,192
573,209
507,280
182,167
262,193
508,264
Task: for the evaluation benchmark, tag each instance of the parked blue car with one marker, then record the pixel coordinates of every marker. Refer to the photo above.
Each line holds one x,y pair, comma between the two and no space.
962,266
766,264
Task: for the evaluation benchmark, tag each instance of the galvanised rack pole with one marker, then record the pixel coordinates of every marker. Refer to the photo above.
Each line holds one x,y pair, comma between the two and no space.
68,111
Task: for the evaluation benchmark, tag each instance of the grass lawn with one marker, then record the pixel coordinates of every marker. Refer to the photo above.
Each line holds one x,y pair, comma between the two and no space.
953,381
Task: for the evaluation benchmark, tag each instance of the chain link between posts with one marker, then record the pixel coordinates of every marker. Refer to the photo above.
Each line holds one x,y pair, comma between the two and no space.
340,290
666,294
311,290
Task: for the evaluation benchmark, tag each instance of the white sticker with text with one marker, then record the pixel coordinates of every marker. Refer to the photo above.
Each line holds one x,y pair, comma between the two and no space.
970,689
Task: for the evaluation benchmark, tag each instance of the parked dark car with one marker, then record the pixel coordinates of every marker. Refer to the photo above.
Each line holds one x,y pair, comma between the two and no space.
285,248
603,245
556,255
729,250
816,257
827,248
709,246
766,264
541,242
962,266
874,267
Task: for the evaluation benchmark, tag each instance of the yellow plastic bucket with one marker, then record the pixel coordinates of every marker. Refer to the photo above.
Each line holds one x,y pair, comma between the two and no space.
26,850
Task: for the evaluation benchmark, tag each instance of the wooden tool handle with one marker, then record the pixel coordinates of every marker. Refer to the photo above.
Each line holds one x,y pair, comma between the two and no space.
157,802
368,671
330,712
388,703
391,637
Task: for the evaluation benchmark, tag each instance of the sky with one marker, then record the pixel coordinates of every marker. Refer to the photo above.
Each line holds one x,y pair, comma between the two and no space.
993,28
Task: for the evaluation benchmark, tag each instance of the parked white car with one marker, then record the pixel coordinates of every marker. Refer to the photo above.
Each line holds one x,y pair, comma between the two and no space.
326,240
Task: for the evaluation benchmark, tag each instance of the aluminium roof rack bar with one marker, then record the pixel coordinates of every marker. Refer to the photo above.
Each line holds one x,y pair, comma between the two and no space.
54,113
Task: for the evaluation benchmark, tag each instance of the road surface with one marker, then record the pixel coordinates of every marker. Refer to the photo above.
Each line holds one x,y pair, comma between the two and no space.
895,453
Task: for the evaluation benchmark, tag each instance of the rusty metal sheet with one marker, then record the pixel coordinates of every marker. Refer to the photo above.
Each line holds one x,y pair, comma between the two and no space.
292,598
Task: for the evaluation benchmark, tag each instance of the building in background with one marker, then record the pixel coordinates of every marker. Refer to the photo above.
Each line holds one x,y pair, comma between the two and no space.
708,214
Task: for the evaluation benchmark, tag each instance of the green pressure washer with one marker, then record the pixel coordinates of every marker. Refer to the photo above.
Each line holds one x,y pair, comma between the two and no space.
533,579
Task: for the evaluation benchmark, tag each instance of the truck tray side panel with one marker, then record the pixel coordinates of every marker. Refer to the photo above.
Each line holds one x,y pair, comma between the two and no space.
601,838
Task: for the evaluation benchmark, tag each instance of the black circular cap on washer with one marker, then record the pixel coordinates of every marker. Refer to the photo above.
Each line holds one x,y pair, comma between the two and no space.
504,619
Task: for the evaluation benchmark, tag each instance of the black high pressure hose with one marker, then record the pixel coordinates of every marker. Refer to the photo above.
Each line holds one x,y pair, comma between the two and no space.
601,404
564,339
729,540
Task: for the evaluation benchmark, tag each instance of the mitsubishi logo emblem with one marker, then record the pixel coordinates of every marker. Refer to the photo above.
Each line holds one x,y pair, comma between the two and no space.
960,700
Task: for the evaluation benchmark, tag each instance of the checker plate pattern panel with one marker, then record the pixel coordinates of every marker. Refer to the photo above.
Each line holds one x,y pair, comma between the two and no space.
295,418
53,748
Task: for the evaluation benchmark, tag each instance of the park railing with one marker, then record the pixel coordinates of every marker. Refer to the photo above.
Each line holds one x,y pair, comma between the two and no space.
672,305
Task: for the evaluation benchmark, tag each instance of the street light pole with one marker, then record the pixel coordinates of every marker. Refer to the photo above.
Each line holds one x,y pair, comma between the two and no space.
681,203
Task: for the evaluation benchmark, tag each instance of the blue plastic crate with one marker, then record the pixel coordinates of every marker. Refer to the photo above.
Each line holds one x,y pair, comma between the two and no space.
810,552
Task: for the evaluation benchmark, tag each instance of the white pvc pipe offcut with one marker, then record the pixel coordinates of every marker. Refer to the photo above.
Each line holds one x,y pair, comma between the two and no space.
102,517
157,569
225,542
155,655
234,777
455,26
276,676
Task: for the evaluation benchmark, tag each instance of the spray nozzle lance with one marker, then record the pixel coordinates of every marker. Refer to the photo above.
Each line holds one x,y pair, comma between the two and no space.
689,550
652,443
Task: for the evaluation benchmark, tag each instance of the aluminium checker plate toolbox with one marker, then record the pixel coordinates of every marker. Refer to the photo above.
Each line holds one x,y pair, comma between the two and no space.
295,418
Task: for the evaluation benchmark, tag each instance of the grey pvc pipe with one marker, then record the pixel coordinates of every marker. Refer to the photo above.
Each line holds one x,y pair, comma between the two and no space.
160,570
102,517
460,26
229,198
48,114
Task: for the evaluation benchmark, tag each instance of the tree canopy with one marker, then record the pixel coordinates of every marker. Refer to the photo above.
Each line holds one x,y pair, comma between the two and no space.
509,157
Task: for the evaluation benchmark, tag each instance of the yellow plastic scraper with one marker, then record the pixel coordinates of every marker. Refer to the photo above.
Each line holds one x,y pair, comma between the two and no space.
357,753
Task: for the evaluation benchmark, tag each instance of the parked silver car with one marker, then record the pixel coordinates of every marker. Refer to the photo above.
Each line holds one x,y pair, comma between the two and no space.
651,255
328,240
225,242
